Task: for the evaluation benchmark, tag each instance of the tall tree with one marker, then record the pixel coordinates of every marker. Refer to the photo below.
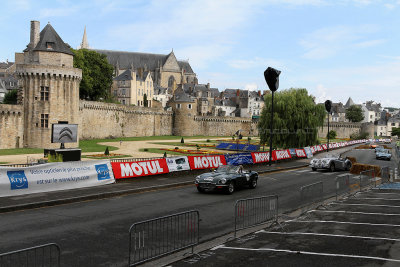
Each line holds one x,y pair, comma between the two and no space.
354,113
97,74
396,131
296,119
11,97
145,101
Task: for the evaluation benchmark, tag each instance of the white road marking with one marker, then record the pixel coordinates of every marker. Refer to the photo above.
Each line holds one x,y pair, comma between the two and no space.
345,236
356,212
304,171
310,253
344,174
367,205
383,193
355,223
328,173
378,198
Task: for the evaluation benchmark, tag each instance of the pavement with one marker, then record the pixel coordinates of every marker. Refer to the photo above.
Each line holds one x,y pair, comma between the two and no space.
124,187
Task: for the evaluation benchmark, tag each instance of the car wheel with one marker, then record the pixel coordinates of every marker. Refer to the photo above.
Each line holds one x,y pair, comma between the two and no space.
201,190
253,183
332,167
348,166
231,188
314,169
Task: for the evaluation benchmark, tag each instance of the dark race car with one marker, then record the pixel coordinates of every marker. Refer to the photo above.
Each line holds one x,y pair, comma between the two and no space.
226,178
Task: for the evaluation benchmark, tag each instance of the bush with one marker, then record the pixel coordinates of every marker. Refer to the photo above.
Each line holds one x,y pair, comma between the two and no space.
332,134
145,149
54,158
165,154
107,152
176,147
182,141
208,141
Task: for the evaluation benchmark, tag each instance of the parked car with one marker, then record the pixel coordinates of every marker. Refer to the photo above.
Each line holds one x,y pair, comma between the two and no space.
379,149
383,154
331,162
226,178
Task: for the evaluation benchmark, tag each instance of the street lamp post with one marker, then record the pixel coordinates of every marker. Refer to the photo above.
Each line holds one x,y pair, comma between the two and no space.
328,107
271,76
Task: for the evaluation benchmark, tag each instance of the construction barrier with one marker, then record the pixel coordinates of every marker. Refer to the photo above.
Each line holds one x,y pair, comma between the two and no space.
254,211
47,255
161,236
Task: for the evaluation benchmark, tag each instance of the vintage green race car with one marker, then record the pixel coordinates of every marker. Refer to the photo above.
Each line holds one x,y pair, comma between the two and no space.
226,178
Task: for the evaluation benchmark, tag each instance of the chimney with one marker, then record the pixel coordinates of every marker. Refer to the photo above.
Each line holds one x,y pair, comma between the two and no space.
259,93
35,33
237,92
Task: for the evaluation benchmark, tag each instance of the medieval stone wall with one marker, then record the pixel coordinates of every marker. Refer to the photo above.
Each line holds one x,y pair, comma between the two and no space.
104,120
11,126
342,129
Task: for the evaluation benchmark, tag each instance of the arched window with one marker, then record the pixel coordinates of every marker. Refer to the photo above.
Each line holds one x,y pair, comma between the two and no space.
171,81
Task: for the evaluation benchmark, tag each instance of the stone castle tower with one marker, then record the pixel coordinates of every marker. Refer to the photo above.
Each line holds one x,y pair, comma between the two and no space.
50,86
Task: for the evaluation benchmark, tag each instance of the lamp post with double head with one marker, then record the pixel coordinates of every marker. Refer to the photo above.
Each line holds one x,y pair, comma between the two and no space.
271,76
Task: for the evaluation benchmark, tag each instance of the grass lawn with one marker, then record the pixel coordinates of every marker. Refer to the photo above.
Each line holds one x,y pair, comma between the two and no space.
161,152
19,151
106,157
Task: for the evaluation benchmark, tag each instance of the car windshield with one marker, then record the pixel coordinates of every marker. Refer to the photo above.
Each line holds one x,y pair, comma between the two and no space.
227,169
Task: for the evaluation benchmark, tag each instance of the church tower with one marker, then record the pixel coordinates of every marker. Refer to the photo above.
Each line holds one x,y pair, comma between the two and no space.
84,44
50,86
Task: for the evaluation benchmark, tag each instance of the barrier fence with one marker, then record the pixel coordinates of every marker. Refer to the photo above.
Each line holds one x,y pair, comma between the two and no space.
161,236
343,185
47,255
367,178
255,211
385,174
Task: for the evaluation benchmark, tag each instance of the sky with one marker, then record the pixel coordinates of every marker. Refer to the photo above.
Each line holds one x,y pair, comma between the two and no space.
336,49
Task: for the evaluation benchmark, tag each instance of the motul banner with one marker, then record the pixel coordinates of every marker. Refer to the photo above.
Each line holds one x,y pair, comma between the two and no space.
301,153
324,146
281,154
205,162
259,157
313,149
140,168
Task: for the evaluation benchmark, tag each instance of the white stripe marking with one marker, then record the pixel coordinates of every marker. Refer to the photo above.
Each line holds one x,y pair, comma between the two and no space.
304,171
356,223
367,205
328,173
357,212
382,193
378,198
311,253
345,236
344,174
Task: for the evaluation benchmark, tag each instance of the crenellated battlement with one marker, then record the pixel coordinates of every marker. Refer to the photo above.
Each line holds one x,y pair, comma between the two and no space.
224,119
11,110
121,108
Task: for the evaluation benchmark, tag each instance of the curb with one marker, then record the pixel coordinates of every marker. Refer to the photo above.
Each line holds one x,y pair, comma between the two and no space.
55,202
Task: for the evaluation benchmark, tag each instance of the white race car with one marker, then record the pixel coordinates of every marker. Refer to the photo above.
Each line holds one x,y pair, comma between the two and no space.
331,162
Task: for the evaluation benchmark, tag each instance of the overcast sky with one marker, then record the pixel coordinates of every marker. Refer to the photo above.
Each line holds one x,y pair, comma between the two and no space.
334,48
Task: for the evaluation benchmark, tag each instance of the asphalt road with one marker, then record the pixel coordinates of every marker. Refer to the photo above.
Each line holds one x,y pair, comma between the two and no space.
95,233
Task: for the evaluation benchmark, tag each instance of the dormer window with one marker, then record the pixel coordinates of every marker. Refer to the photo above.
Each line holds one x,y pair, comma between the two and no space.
49,45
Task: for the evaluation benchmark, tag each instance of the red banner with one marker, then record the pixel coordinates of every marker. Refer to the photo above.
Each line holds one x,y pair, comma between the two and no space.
205,162
140,168
324,146
281,154
301,153
259,157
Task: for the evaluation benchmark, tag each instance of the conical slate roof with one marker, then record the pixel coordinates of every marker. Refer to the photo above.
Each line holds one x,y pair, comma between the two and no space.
50,38
349,103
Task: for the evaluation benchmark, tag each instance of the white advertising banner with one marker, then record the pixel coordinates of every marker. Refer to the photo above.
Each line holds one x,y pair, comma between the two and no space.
178,164
54,176
308,151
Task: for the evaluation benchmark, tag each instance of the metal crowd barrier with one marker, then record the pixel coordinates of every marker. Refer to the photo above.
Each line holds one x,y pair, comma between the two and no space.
366,178
343,185
161,236
385,174
255,211
19,165
47,255
313,191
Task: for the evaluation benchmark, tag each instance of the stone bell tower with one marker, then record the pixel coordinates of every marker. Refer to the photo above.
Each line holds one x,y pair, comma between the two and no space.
50,86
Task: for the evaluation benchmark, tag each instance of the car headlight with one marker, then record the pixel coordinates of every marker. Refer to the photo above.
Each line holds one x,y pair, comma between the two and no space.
197,180
222,181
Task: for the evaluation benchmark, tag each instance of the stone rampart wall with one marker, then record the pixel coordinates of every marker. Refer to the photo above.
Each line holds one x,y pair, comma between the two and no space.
343,129
11,126
104,120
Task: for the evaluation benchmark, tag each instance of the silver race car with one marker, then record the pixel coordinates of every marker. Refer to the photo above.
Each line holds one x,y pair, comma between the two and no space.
331,162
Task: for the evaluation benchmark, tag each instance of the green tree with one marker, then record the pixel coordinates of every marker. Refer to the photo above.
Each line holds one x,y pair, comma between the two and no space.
354,113
396,131
296,119
11,97
332,134
97,75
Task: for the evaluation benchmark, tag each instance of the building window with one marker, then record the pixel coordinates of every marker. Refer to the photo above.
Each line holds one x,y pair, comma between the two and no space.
189,106
123,101
123,92
370,116
171,81
149,103
49,45
393,124
178,105
44,93
44,120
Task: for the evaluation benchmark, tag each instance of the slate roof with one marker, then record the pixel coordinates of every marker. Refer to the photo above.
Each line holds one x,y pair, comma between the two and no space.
349,103
158,90
182,97
140,60
49,35
6,65
125,76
